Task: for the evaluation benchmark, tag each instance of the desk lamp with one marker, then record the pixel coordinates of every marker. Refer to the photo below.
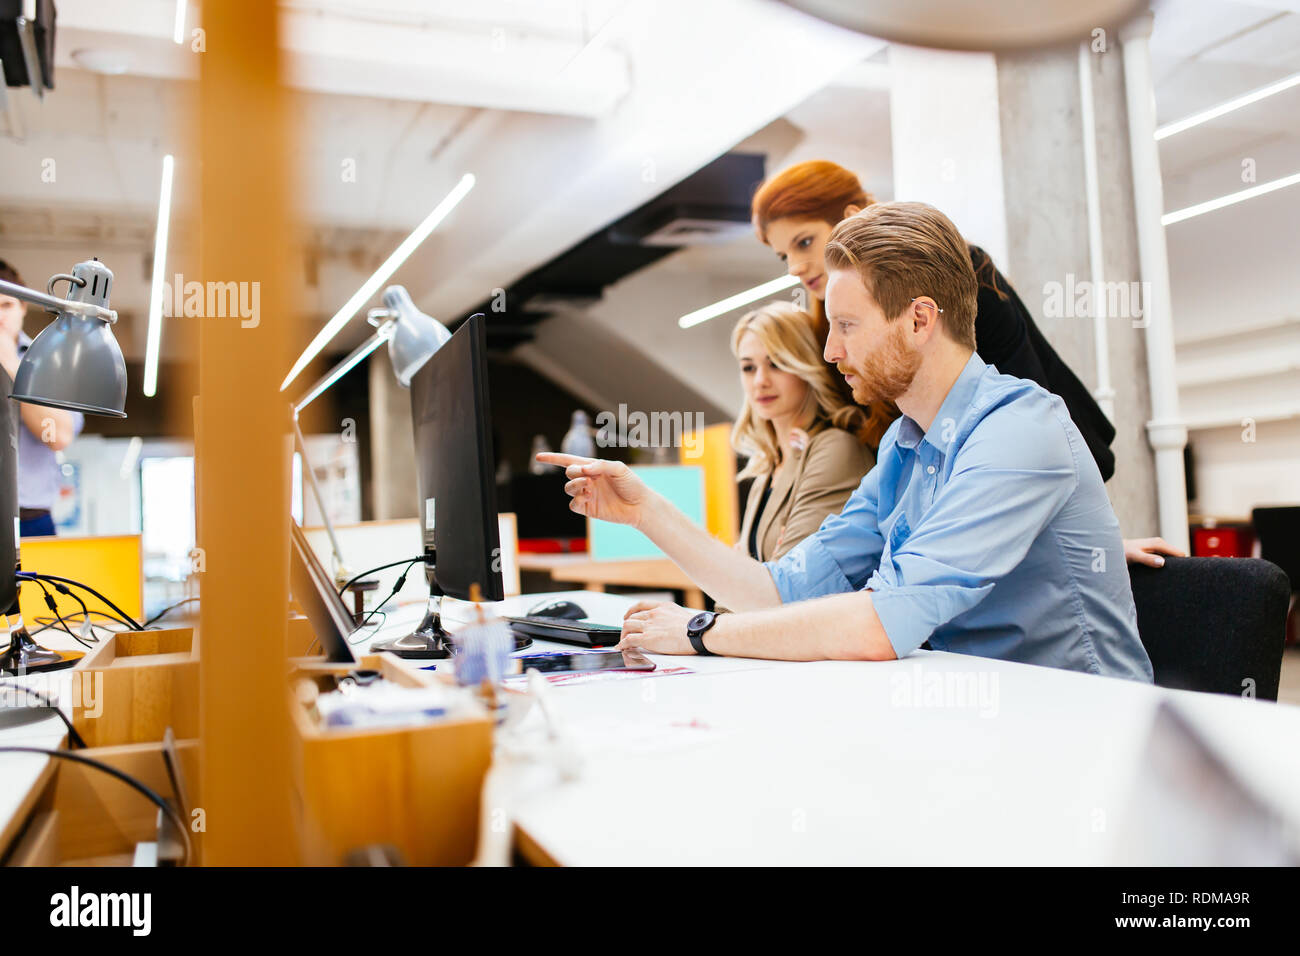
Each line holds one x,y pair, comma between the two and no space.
74,363
412,337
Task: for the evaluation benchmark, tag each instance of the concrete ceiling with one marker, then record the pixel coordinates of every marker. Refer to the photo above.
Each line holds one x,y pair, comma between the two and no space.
570,112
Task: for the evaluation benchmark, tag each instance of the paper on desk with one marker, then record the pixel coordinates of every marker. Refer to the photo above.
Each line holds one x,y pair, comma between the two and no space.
583,677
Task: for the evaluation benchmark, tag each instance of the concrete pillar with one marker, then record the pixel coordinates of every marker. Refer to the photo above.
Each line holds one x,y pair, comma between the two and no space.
1049,259
943,110
392,455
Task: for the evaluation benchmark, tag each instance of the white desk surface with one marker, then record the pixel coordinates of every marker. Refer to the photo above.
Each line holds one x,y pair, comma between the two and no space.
846,763
754,762
21,773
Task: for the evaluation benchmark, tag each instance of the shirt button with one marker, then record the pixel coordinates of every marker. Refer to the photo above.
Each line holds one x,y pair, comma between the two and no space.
930,470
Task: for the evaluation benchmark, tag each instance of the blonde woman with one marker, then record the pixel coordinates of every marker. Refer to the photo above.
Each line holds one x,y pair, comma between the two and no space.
808,447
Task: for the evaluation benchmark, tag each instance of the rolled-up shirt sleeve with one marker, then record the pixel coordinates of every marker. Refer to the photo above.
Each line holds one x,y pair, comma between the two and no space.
840,555
1008,481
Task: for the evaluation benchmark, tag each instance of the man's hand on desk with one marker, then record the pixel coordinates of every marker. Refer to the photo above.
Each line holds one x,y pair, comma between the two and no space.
839,627
657,627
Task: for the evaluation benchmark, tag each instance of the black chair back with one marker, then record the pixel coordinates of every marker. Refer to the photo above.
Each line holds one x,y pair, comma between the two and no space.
1278,530
1213,624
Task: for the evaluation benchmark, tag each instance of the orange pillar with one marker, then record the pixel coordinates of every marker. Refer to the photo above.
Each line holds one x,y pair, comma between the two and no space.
241,440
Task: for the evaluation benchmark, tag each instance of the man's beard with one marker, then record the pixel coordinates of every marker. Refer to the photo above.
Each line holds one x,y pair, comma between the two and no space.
886,373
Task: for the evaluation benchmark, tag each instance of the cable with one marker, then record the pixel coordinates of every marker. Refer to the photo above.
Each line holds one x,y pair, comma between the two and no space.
84,610
383,619
397,586
47,623
123,616
168,610
127,779
54,606
46,704
382,567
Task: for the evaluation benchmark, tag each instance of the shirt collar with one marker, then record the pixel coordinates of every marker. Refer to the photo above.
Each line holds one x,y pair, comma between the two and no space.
954,408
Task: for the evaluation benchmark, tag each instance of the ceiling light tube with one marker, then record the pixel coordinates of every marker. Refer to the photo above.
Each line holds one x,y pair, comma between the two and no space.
736,301
154,340
1196,119
1178,215
382,275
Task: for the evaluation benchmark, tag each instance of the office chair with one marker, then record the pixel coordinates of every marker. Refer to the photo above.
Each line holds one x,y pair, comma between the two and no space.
1213,624
1278,532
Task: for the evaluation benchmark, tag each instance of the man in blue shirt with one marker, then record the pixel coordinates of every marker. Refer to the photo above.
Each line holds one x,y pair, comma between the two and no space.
983,529
42,431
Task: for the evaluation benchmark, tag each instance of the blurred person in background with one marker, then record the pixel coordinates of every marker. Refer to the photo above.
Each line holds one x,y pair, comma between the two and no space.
42,432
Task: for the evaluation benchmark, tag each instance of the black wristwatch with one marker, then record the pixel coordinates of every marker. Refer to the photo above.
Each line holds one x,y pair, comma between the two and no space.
695,629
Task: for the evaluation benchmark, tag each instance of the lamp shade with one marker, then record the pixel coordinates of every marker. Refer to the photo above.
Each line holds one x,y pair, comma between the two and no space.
416,336
75,362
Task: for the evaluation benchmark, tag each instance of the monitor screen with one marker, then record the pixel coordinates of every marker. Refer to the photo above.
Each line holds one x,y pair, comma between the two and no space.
457,475
9,416
312,588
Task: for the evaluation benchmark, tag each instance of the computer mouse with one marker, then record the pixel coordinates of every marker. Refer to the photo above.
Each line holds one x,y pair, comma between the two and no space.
564,610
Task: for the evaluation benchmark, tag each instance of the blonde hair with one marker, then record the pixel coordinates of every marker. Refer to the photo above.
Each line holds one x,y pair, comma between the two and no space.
788,336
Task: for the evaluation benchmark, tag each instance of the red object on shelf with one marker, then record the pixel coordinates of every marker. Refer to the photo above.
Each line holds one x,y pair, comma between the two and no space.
1223,541
553,545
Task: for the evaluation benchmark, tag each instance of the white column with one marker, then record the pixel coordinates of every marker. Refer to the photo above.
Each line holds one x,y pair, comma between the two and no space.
1166,430
1104,392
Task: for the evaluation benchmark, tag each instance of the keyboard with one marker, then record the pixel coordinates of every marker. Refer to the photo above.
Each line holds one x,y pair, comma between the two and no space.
586,633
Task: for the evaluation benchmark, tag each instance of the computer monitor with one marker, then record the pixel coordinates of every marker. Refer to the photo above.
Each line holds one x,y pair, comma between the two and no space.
324,607
457,486
20,654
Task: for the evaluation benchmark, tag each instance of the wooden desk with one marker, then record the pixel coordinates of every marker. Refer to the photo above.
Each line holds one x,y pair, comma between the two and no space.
651,573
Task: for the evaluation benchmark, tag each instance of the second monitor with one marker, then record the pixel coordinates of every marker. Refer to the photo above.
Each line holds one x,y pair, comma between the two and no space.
452,424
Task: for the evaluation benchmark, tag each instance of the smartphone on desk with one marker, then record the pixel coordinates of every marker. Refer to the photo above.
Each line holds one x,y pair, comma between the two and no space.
632,659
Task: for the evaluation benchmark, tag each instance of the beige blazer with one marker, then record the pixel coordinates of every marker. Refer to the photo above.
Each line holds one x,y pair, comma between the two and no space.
819,484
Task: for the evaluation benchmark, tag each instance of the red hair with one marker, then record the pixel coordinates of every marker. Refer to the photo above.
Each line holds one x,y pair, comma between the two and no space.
818,189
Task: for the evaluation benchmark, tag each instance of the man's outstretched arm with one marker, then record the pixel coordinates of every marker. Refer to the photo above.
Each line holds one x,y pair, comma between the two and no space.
610,491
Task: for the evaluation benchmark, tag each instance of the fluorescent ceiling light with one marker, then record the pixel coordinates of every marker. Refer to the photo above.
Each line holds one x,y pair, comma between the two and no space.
1179,215
178,31
382,275
736,301
1196,119
154,339
131,458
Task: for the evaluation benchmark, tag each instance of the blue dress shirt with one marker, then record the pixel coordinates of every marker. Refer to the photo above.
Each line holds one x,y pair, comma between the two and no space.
990,534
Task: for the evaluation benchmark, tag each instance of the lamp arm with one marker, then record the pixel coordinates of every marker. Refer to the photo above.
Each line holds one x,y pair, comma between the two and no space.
53,303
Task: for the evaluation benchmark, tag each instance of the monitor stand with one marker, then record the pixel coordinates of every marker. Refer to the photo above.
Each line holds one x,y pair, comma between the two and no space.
428,642
25,656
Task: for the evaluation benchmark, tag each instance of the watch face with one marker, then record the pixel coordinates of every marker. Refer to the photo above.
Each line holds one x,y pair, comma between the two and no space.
700,620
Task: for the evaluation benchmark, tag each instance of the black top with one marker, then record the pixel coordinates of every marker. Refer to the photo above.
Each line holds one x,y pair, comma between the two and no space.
1007,338
758,513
